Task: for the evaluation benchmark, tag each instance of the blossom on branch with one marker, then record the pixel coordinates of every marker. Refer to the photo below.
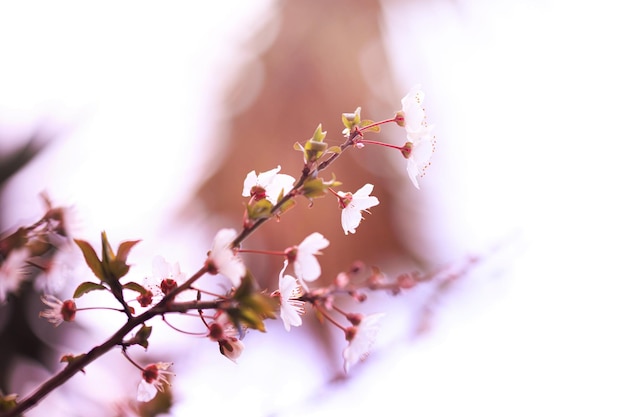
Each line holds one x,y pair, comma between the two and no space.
291,308
269,184
222,259
353,204
59,311
360,339
305,264
222,331
420,143
412,110
165,277
153,377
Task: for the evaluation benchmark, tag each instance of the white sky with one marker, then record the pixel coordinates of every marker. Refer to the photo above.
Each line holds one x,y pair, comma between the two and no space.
527,102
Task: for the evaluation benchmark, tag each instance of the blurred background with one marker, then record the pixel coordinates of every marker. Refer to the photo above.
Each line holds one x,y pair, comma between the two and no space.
144,119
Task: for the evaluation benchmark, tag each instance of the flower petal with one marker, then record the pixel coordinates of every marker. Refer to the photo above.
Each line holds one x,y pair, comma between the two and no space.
313,243
308,268
350,219
413,110
146,391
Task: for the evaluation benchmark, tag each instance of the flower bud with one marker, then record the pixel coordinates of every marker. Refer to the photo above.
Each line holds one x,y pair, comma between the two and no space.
399,118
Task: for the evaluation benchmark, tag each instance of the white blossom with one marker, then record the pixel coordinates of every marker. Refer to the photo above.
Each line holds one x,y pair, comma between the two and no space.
290,307
306,265
412,108
421,150
420,140
353,205
223,260
164,276
267,184
361,340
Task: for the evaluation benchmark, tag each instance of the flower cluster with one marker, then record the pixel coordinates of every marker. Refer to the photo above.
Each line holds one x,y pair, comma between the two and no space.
32,253
230,312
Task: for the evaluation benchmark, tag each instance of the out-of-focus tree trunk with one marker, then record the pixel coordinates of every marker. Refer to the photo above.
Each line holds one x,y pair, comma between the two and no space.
326,59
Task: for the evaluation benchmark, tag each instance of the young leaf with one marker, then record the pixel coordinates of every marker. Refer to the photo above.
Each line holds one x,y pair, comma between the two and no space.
124,249
334,149
86,287
366,123
107,251
69,358
118,269
259,209
91,258
135,287
286,206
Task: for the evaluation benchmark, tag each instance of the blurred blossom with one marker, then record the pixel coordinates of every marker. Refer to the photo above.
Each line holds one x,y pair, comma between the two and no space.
12,272
222,259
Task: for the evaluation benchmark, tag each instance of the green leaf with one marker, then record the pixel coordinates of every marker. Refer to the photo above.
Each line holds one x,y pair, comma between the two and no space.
319,135
350,120
124,249
107,251
86,287
334,149
91,258
133,286
314,150
247,286
259,209
254,306
142,336
286,206
314,187
263,305
366,123
118,269
69,358
7,402
251,319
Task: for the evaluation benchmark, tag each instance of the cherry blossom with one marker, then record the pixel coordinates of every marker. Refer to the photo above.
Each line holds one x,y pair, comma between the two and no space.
412,109
222,331
305,264
153,377
222,259
59,311
290,307
12,272
55,271
268,184
360,339
165,277
352,206
420,143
